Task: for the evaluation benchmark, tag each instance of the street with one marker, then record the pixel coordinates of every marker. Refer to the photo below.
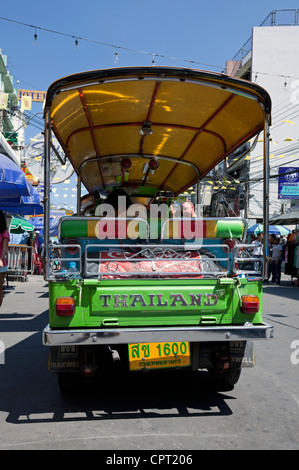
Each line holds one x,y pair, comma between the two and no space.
157,411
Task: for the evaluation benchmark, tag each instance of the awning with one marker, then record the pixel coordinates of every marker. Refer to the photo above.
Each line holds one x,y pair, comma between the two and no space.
38,223
20,225
13,182
5,149
290,218
273,229
23,205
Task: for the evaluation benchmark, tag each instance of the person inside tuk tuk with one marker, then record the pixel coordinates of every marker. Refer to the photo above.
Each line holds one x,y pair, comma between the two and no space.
175,209
188,209
118,200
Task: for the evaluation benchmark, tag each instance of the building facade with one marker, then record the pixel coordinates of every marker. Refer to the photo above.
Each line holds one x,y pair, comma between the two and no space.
270,58
11,118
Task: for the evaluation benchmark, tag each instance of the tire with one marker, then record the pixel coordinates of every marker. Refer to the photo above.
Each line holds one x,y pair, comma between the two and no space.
227,379
68,381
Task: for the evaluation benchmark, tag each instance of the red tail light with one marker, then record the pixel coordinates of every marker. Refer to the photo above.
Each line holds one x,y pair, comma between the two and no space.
250,304
65,306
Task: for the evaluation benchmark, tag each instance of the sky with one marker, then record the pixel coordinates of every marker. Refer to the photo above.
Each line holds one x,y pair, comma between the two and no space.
190,33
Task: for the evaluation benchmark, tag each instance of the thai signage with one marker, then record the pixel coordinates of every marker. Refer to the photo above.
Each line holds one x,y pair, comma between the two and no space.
288,183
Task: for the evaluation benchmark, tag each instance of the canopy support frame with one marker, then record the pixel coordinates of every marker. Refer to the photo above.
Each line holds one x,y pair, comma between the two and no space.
158,157
266,169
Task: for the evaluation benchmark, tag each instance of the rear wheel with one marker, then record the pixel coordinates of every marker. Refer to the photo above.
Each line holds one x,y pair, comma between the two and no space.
225,380
68,381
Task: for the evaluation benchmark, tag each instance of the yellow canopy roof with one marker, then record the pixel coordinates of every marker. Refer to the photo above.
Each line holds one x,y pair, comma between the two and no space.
184,115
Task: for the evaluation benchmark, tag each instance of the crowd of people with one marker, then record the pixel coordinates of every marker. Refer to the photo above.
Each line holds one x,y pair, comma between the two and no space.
279,251
276,251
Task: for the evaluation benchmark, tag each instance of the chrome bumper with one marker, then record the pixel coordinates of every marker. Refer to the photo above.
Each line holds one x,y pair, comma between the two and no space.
150,335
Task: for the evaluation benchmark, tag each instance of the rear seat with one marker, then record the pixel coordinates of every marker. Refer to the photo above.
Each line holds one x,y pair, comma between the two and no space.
173,229
101,229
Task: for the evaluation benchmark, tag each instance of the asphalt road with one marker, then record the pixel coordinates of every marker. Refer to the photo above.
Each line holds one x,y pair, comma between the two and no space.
158,412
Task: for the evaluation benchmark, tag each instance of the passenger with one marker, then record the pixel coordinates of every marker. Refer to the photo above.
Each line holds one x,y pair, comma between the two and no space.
118,205
175,209
188,209
4,239
115,205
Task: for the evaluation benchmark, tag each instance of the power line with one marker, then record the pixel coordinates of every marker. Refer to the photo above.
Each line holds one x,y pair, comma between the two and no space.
117,47
114,46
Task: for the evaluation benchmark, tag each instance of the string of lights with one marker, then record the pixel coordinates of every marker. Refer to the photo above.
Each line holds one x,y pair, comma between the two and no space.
116,47
154,55
284,110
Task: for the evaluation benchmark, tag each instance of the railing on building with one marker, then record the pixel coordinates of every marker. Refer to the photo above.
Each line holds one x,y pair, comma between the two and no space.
285,17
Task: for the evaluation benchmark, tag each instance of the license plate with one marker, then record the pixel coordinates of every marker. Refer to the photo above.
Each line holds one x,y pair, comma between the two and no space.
159,355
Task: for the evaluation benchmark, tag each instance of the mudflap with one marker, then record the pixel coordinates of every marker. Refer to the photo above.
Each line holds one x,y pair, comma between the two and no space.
242,353
64,359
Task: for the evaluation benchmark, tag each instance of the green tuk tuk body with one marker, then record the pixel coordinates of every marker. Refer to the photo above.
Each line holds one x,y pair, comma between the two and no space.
138,289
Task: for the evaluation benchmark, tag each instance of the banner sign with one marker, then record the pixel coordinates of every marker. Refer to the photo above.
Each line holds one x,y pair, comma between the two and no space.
288,183
35,95
3,100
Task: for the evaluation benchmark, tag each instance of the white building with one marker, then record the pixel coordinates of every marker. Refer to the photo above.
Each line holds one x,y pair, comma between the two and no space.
11,118
270,58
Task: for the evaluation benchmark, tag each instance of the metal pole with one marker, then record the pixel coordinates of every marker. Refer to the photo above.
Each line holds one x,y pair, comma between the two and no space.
198,212
266,196
79,193
47,150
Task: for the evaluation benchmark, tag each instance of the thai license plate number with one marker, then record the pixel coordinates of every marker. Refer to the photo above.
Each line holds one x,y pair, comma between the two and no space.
159,355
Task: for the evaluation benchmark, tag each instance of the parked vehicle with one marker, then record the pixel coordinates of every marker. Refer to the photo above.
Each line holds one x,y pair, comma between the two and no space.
134,283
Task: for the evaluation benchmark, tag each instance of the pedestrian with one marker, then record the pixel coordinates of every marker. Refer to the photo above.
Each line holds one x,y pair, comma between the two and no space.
276,261
4,239
258,245
257,251
271,239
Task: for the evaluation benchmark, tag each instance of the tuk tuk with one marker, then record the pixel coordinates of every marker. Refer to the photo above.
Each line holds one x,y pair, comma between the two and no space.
138,286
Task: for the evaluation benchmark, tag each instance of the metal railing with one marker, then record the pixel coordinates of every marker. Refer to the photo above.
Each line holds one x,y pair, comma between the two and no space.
285,17
153,261
123,261
245,262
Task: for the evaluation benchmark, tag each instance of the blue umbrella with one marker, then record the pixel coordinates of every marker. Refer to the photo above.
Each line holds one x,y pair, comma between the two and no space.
38,223
273,229
23,205
13,182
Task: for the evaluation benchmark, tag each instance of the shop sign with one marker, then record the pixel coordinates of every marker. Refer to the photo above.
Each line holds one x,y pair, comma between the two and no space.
35,95
288,183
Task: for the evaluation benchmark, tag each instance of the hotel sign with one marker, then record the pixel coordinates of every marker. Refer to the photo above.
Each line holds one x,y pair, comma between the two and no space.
35,95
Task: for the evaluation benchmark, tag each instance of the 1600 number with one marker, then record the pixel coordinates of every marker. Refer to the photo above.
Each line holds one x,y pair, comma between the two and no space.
166,349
